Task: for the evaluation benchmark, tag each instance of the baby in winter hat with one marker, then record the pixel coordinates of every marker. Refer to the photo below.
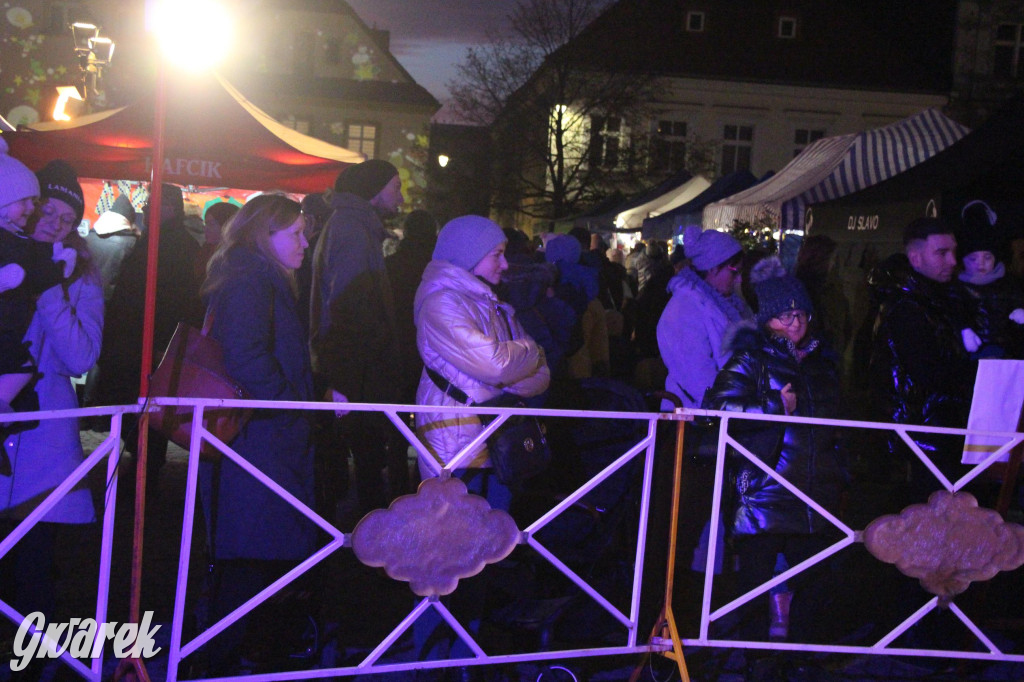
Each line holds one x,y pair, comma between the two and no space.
996,307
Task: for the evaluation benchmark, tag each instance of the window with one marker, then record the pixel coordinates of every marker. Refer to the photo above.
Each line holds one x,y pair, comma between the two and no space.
607,141
668,146
787,27
694,22
737,145
805,136
1006,52
62,15
296,124
332,51
362,137
302,53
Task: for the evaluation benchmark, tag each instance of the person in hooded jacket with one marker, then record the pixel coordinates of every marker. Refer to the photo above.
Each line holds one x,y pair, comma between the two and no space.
704,305
780,369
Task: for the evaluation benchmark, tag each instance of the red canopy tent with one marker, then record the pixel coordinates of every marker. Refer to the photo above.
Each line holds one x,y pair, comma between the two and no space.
213,137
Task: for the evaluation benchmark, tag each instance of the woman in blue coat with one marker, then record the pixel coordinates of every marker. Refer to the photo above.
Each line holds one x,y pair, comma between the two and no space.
250,290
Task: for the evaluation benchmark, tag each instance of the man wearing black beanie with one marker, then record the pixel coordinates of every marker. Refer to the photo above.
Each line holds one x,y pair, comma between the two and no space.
353,340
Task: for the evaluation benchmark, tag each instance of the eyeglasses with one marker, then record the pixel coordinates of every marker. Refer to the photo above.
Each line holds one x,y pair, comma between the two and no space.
65,220
787,318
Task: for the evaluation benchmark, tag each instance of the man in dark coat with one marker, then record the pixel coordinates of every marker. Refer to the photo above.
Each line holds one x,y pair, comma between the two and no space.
353,338
920,370
177,300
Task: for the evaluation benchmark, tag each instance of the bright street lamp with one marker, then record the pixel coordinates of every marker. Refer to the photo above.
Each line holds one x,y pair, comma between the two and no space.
192,34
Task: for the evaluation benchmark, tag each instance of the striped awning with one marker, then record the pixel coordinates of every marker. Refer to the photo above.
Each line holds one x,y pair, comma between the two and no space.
836,166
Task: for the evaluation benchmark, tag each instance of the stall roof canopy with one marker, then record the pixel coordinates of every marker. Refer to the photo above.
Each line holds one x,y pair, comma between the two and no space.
627,215
836,166
213,136
988,162
671,222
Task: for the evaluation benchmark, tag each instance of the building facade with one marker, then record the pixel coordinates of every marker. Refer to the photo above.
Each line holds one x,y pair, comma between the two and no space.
747,84
311,64
988,65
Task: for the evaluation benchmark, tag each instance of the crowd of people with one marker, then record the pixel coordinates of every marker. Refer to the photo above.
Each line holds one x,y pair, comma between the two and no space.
307,306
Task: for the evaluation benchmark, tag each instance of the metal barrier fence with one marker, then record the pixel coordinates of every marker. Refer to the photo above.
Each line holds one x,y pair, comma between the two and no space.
632,643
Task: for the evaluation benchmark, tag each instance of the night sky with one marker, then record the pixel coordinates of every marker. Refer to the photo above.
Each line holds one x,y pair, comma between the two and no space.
429,36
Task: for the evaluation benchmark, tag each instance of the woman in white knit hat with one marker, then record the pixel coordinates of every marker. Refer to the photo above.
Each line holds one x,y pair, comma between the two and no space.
27,269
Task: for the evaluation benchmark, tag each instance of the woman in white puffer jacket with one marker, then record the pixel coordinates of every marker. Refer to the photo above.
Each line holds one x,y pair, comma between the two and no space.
468,338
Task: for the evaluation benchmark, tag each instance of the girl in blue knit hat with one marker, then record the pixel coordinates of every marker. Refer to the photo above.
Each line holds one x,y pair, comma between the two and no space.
778,368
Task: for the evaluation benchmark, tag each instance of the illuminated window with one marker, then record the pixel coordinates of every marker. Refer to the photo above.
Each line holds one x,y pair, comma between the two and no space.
362,137
605,141
737,148
297,124
1006,52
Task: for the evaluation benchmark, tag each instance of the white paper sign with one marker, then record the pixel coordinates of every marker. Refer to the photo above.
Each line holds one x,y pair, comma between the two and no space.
997,403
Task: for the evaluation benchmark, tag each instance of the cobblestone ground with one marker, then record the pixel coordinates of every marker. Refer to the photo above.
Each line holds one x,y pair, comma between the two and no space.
381,602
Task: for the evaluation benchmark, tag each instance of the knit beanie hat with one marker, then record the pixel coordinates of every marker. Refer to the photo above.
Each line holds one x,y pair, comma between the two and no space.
58,180
120,217
316,205
563,249
777,291
365,179
17,182
979,231
708,248
464,241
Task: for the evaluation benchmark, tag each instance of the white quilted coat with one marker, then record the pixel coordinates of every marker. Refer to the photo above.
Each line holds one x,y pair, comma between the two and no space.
468,336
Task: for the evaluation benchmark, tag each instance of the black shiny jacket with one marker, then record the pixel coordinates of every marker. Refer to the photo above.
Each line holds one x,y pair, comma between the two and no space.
920,372
809,457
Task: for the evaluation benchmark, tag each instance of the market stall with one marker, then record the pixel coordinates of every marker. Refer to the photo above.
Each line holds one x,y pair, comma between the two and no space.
213,137
834,167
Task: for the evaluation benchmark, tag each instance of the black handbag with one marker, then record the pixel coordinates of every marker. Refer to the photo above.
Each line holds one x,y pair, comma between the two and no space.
519,449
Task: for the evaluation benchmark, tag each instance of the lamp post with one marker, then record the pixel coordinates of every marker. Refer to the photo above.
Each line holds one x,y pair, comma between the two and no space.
195,46
94,53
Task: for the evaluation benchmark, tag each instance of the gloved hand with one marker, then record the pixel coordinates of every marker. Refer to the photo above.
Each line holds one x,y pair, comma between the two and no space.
66,254
971,340
11,277
1018,316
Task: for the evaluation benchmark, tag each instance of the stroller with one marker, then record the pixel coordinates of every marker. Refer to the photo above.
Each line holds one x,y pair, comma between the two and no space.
596,536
